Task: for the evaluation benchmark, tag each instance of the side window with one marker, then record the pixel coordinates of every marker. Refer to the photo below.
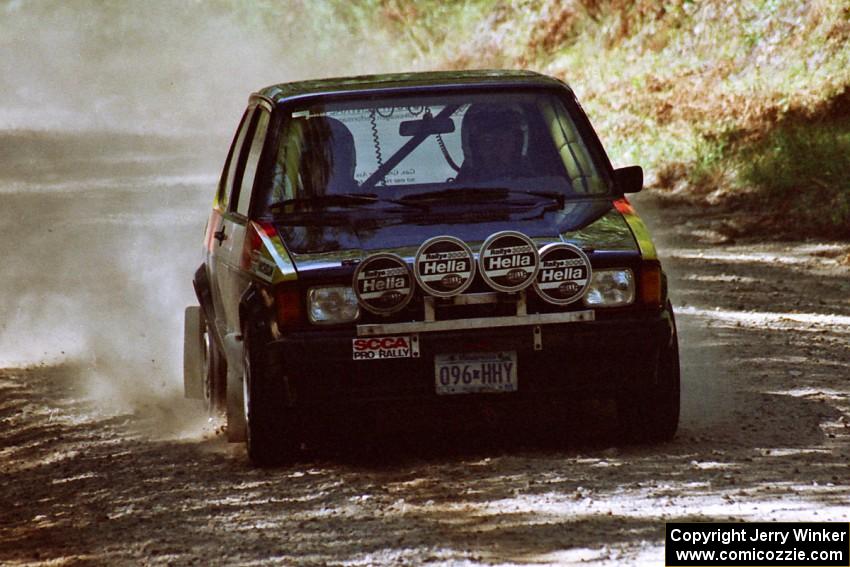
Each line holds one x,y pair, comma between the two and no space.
572,149
286,178
230,169
250,171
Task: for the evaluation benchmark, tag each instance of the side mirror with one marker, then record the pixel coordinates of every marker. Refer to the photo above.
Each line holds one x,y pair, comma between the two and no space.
628,179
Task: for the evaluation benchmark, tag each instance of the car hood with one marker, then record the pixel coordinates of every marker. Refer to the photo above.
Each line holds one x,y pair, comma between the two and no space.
592,224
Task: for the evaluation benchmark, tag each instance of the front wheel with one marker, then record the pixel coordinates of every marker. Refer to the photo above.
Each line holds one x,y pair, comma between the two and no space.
272,433
652,415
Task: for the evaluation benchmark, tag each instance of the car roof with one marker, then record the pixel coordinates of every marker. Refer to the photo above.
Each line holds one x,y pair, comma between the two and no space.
407,81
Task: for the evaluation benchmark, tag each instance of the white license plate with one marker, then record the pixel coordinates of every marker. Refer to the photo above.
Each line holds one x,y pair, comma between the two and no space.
475,372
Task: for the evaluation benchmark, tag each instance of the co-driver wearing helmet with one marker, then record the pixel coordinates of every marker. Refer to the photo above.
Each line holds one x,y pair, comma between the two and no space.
493,141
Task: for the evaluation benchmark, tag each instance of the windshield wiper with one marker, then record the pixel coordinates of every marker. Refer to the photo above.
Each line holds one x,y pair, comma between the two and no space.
335,199
556,196
479,194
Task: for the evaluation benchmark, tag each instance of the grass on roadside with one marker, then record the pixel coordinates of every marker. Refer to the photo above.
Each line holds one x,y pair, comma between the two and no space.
803,172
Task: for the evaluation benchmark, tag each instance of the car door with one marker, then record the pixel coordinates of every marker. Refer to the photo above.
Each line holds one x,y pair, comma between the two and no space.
231,276
216,233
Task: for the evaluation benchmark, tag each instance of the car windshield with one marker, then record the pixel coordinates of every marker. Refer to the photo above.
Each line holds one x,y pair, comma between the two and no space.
406,148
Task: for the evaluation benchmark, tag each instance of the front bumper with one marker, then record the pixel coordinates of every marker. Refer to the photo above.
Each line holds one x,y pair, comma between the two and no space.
591,358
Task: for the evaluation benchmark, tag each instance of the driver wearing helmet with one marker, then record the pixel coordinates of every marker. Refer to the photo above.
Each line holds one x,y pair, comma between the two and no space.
317,157
493,140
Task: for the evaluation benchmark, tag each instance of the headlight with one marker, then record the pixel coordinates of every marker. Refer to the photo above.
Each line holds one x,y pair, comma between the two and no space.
332,305
610,288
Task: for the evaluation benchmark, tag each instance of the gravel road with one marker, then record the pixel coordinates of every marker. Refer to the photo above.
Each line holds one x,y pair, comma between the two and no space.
103,463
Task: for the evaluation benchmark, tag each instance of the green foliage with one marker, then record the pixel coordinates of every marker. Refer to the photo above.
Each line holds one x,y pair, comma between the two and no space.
803,169
710,158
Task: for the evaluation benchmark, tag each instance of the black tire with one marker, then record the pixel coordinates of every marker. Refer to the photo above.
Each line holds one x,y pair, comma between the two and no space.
272,431
652,415
215,372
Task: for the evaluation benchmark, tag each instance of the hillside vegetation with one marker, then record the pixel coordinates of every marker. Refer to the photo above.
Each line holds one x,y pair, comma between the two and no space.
743,105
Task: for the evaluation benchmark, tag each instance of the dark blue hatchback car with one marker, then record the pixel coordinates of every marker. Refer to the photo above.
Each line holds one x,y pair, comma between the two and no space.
433,241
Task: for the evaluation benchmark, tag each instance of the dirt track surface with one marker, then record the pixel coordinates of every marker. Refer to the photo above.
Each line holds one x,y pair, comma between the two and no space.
102,462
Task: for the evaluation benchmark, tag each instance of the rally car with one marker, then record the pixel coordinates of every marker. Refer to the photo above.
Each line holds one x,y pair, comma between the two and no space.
425,240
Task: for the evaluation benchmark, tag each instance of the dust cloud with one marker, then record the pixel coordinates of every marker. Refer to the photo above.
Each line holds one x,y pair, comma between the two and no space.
161,66
115,118
705,391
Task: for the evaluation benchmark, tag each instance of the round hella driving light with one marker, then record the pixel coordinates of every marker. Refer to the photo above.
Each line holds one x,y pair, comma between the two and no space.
329,305
508,261
610,288
444,266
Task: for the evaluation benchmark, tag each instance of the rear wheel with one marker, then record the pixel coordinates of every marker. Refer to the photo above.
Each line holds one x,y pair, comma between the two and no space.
272,432
652,415
193,353
215,372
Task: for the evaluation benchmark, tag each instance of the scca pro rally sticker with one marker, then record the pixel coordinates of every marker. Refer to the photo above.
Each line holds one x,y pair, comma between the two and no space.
379,348
564,273
444,266
383,284
508,261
